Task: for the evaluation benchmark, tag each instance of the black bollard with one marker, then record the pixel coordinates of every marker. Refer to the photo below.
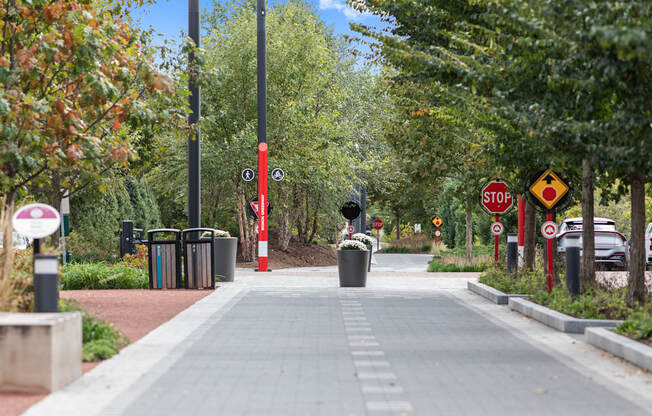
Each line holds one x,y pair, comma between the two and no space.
127,238
512,252
46,283
573,264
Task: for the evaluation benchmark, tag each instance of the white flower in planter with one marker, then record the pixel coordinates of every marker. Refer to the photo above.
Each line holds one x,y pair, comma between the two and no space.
364,238
353,245
217,233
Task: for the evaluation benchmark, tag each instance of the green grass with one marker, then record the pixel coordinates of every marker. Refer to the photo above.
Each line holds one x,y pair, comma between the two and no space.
103,276
100,340
434,266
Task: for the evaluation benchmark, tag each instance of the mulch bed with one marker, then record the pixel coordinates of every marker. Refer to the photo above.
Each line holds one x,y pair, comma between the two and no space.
134,312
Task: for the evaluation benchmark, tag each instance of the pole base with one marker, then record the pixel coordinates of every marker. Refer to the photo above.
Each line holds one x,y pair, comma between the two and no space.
256,270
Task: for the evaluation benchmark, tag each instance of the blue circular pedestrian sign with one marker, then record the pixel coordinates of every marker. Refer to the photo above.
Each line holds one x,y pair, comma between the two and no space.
248,175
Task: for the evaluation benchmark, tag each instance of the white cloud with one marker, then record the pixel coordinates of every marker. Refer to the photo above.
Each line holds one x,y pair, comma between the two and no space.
340,6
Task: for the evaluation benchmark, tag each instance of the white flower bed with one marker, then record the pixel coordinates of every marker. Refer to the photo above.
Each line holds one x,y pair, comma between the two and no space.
353,245
617,280
364,238
222,234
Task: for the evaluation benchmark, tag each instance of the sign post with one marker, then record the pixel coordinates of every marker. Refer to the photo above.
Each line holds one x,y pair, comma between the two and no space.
261,55
39,221
436,221
378,225
548,191
496,199
350,210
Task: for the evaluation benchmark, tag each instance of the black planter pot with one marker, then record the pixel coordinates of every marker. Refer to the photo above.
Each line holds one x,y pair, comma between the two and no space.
225,251
352,267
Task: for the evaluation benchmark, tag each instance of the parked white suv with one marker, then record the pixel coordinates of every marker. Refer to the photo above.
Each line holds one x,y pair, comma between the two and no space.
648,245
611,247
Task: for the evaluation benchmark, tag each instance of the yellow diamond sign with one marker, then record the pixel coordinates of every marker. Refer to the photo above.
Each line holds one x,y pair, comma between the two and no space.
436,221
549,189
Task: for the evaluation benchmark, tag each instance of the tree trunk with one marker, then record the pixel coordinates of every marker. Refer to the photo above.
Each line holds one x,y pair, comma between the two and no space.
315,220
284,231
247,231
398,224
530,236
587,268
636,286
469,233
7,252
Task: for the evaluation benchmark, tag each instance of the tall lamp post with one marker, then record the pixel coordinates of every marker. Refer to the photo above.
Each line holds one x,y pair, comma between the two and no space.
262,137
194,141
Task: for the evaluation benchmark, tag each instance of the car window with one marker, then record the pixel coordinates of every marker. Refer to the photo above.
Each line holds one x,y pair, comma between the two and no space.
573,226
605,227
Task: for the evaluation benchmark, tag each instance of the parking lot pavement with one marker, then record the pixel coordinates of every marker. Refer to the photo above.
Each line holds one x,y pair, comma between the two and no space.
322,350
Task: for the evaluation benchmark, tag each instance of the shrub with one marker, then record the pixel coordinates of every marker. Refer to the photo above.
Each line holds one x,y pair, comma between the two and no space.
638,326
394,249
434,266
138,260
103,276
526,283
100,339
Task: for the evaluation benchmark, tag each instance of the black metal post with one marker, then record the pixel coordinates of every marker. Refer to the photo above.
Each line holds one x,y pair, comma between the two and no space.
512,253
194,141
127,238
363,213
573,265
261,13
46,283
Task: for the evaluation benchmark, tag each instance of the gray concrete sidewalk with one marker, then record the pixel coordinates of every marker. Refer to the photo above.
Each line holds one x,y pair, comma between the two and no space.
298,345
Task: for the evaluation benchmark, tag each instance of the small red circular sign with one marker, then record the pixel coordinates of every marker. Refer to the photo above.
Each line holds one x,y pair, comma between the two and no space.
497,228
378,224
262,147
350,229
549,230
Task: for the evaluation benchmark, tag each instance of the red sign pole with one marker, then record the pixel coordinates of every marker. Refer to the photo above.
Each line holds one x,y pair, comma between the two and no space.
262,207
521,229
496,242
550,262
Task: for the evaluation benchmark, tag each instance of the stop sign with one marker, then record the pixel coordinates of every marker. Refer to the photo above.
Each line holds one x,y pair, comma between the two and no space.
378,224
495,198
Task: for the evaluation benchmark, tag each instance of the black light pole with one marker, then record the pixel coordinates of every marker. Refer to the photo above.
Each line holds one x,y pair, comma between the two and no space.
194,141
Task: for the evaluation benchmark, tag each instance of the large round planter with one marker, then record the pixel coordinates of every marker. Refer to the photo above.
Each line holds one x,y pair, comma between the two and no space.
225,251
352,267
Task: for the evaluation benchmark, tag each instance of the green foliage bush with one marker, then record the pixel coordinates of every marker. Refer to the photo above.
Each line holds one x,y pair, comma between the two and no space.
96,216
434,266
78,276
638,326
527,283
100,339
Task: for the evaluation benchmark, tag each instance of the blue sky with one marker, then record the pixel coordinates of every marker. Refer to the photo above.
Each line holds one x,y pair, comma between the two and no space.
171,16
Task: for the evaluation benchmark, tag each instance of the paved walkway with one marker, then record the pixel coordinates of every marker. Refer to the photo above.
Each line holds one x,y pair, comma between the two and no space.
295,344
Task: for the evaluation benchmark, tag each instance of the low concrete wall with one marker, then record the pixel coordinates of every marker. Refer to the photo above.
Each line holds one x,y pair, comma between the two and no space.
556,319
494,295
39,351
620,346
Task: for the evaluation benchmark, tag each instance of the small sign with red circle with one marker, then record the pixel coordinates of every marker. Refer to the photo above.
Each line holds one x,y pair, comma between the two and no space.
497,228
549,230
350,229
549,189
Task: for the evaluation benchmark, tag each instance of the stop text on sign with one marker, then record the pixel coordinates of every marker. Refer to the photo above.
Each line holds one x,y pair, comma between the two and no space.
495,198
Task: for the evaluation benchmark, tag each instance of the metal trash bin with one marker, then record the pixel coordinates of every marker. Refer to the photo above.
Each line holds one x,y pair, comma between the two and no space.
199,259
164,259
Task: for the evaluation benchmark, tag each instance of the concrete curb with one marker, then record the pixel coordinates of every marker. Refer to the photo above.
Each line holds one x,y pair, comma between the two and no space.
557,320
494,295
620,346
